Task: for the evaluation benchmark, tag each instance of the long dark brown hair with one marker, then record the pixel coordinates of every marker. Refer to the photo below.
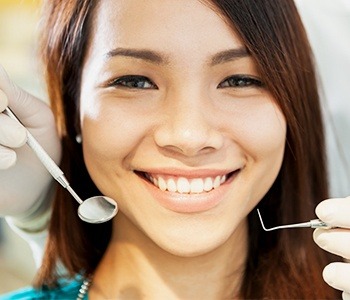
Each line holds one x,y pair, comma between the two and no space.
282,264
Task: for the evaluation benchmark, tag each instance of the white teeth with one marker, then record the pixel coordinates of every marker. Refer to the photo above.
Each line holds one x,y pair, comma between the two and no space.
183,185
208,184
197,185
223,179
162,184
217,182
155,181
171,185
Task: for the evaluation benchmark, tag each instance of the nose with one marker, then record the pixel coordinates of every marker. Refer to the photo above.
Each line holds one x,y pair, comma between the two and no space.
189,126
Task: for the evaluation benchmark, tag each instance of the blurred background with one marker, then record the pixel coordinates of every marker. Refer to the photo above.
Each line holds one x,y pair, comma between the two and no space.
327,23
18,36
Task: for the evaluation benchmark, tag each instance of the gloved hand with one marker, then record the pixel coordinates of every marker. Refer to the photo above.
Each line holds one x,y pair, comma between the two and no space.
24,182
336,213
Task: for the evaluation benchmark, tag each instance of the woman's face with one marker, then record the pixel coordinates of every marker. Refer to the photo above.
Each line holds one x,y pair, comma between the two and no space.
177,125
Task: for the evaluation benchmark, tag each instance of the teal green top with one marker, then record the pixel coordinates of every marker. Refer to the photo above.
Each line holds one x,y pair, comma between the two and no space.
67,290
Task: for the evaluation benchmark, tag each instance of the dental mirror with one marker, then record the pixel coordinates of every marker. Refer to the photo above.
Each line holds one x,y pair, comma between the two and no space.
316,223
94,210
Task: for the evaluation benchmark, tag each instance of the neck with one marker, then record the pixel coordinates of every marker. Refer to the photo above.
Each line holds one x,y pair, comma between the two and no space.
134,267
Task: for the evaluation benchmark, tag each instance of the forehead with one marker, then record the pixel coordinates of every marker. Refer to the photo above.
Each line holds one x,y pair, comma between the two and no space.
166,25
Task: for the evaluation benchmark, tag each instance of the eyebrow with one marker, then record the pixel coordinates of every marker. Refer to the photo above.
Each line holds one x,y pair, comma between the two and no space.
160,58
229,55
143,54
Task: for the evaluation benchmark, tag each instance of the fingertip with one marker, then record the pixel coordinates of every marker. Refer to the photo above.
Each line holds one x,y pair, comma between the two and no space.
3,74
320,238
21,137
326,211
315,234
12,133
346,296
3,101
8,158
334,212
2,71
329,273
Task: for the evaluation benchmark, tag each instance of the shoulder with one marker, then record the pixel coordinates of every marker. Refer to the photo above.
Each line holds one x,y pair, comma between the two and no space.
65,290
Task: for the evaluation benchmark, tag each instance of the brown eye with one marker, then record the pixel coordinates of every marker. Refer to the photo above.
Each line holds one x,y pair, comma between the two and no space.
133,82
240,81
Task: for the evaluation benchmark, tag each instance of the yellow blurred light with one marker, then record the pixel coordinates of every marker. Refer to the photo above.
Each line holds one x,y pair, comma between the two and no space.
14,3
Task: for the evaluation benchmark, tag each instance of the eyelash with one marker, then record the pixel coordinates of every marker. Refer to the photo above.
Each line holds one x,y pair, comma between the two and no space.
142,82
134,80
240,81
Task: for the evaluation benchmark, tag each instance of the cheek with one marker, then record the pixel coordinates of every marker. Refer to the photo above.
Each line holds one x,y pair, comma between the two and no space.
259,130
109,131
111,135
264,144
271,134
263,134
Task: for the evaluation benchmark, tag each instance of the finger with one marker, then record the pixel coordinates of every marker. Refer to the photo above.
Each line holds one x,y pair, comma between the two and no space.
10,89
337,276
3,101
22,103
336,241
8,158
335,212
12,134
346,296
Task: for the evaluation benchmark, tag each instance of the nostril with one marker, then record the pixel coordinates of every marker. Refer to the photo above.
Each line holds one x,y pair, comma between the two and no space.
188,138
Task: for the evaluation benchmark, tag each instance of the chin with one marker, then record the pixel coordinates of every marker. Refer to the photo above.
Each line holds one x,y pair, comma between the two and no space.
194,243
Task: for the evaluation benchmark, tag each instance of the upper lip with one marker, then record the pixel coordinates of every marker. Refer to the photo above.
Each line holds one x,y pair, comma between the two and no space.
188,173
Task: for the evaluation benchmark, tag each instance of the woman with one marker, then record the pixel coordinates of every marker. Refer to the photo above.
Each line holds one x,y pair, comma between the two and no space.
191,113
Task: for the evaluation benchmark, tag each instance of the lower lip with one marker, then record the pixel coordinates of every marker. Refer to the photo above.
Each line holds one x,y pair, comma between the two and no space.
190,203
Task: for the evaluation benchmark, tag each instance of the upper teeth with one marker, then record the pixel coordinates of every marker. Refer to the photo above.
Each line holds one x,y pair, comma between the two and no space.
185,186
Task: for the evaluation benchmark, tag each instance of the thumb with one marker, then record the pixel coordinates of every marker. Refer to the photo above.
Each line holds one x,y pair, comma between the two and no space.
26,106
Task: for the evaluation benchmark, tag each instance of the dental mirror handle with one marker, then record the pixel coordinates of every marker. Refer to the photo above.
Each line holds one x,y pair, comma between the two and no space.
45,159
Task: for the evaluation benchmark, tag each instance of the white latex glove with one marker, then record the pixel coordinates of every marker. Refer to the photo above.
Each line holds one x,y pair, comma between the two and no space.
336,213
24,182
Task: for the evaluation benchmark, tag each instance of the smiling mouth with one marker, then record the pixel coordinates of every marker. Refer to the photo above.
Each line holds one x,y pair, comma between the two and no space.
183,185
